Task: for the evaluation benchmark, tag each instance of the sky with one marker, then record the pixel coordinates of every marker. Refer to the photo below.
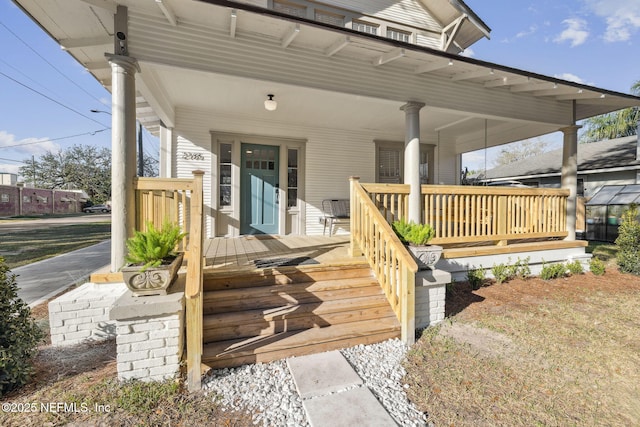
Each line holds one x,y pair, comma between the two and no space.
46,96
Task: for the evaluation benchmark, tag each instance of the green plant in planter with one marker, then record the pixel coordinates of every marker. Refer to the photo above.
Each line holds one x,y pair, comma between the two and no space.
412,233
150,248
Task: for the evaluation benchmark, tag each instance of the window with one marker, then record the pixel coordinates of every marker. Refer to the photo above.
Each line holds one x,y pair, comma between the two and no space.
225,174
26,199
4,198
400,35
365,27
292,178
290,9
329,18
424,166
390,158
389,165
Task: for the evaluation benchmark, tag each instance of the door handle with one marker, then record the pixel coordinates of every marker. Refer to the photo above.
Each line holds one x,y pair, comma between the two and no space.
277,194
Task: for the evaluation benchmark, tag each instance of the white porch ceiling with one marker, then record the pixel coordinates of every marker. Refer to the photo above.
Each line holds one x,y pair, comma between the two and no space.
225,60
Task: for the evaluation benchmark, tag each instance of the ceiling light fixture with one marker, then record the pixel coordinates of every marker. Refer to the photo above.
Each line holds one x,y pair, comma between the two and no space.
270,104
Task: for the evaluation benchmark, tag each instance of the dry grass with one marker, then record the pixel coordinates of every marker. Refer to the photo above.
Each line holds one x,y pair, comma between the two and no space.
560,353
84,377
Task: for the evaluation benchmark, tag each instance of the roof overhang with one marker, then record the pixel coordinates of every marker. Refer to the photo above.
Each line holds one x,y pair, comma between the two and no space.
223,57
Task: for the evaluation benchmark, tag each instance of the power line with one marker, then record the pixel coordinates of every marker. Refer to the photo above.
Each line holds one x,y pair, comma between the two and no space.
49,98
55,139
11,160
50,64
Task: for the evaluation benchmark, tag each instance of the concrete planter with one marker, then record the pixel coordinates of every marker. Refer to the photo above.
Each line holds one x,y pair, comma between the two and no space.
426,256
152,281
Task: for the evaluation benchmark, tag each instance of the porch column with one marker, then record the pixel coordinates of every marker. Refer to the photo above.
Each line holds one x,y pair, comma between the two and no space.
123,155
570,175
412,159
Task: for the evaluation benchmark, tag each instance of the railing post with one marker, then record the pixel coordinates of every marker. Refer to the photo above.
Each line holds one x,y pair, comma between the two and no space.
408,304
354,220
193,288
502,219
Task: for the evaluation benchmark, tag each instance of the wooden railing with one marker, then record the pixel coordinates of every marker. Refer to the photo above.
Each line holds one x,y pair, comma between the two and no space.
392,264
180,201
473,214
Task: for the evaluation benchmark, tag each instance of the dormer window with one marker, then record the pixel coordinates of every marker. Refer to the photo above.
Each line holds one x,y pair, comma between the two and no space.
329,18
366,27
400,35
290,8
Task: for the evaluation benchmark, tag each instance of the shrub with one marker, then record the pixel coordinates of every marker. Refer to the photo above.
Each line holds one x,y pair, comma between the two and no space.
19,334
412,233
629,241
575,267
501,273
476,277
553,271
521,268
504,273
597,266
149,248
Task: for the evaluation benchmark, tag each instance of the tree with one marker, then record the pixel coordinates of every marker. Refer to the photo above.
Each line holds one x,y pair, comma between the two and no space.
520,150
613,125
82,166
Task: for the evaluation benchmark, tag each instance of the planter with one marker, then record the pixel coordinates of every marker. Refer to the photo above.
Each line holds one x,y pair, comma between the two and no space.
152,281
426,256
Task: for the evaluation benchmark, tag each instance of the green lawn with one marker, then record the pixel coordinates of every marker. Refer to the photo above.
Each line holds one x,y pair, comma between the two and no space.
24,247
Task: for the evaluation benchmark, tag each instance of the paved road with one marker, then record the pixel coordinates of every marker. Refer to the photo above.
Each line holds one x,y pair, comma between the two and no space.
41,280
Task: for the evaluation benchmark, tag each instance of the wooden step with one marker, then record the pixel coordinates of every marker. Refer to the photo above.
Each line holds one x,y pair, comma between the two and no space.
297,343
219,280
287,318
279,295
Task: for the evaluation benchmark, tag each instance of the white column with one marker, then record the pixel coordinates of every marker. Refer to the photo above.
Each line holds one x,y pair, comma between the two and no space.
570,175
166,152
412,159
123,155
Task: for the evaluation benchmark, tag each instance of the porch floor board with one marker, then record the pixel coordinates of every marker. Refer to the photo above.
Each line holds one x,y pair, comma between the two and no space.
240,253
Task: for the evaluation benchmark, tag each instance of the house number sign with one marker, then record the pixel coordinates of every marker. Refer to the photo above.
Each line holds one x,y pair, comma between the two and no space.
188,155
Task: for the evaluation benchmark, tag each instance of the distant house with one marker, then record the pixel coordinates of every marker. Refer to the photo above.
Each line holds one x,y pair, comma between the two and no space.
609,162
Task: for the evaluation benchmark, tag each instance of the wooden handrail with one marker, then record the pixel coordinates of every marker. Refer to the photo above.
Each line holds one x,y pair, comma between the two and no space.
392,265
180,201
473,214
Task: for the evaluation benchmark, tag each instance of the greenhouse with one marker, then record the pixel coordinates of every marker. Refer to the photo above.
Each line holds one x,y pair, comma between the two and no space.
605,209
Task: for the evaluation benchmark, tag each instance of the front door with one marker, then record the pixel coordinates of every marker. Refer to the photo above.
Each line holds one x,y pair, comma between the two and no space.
259,202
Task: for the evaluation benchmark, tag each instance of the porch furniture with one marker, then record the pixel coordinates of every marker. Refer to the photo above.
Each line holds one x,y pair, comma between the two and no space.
334,211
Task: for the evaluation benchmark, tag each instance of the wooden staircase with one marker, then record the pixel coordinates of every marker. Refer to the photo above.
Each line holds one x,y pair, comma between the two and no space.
265,315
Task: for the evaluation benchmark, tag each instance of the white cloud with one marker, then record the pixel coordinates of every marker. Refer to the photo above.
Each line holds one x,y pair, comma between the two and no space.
468,52
622,17
530,31
570,77
27,146
576,32
10,168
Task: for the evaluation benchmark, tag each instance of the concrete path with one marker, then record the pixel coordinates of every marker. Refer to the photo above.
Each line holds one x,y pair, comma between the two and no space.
41,280
333,395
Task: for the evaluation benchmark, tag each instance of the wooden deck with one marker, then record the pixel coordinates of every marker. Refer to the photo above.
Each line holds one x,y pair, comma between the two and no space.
255,252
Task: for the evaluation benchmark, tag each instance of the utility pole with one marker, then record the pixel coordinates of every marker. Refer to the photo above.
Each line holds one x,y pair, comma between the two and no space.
140,153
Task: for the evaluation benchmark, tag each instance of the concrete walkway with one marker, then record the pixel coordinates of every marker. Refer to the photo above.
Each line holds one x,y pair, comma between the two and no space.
42,280
333,395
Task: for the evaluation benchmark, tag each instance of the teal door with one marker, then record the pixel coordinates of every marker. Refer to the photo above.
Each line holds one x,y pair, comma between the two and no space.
259,202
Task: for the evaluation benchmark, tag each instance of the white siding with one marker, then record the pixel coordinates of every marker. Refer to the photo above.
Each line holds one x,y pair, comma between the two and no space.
408,12
332,156
193,137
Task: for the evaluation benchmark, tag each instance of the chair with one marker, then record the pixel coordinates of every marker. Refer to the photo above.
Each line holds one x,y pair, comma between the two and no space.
334,211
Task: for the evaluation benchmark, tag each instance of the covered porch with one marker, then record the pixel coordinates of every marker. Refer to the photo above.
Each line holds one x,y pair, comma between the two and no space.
282,294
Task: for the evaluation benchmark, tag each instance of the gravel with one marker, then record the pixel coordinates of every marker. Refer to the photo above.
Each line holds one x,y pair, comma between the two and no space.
268,391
